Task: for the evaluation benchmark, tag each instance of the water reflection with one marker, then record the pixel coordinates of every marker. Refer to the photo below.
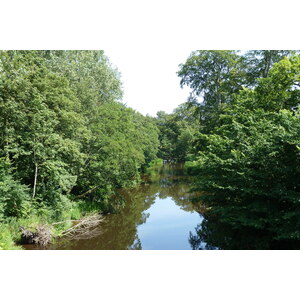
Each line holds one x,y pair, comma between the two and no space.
158,215
167,227
215,232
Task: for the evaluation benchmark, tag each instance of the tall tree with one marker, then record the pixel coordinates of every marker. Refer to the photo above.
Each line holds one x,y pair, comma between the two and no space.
248,166
64,133
258,63
214,76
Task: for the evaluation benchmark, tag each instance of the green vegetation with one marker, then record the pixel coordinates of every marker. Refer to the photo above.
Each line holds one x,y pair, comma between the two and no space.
248,147
67,143
176,133
154,167
65,139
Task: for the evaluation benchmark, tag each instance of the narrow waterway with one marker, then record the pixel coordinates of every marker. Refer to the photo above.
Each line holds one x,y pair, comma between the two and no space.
157,215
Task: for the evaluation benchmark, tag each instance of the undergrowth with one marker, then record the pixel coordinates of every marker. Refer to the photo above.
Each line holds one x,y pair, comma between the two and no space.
10,233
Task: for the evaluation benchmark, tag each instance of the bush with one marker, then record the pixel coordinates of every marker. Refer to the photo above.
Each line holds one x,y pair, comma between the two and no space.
14,196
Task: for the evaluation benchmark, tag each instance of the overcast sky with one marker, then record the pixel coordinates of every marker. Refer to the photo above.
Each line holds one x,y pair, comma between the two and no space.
150,82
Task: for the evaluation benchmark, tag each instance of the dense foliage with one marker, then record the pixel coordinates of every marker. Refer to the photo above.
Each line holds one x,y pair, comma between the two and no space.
64,136
177,133
248,160
67,142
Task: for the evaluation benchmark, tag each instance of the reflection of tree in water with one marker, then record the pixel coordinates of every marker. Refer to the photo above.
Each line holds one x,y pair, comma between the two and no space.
225,228
175,184
136,245
119,231
215,234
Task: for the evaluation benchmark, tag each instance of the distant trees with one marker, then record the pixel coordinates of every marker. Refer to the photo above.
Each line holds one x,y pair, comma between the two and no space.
176,133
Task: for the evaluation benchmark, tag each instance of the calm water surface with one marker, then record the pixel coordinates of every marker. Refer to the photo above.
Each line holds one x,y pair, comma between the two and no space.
157,215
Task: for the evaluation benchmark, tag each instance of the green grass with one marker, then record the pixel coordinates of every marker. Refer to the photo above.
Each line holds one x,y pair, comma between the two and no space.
7,239
10,232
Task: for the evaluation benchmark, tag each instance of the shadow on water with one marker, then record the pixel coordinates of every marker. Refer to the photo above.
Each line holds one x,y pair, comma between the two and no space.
215,233
235,227
158,214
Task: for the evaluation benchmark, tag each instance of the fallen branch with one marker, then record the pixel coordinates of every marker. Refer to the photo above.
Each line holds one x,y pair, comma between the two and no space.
42,234
83,227
65,222
87,192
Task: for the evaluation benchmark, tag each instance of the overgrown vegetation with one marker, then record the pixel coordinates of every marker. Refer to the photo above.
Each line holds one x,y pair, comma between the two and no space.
65,139
67,143
248,147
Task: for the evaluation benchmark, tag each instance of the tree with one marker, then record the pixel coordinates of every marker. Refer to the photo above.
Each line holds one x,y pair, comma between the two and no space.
177,132
213,75
258,63
42,139
14,196
64,134
248,167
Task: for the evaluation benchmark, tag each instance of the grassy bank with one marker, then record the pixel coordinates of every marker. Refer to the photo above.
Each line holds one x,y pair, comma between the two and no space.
10,233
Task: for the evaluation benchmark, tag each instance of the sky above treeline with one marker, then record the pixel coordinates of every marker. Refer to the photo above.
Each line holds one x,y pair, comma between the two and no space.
149,78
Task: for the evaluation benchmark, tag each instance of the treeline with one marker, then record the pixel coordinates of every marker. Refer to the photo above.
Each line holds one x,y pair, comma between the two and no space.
65,137
67,142
247,147
177,133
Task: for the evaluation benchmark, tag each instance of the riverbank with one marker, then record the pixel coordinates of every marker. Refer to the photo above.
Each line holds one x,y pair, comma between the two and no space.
156,214
11,235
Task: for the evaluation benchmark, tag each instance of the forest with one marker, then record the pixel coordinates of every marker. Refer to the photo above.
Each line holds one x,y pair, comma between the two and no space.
67,142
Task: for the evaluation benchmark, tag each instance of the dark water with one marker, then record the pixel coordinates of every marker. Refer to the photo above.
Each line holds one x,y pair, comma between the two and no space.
157,215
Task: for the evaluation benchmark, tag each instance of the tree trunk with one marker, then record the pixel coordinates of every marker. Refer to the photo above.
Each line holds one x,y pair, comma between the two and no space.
35,180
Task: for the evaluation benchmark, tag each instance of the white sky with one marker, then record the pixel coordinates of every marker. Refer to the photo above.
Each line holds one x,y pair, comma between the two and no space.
147,40
150,82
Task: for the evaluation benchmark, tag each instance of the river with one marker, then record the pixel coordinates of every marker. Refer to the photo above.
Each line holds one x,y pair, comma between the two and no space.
158,215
